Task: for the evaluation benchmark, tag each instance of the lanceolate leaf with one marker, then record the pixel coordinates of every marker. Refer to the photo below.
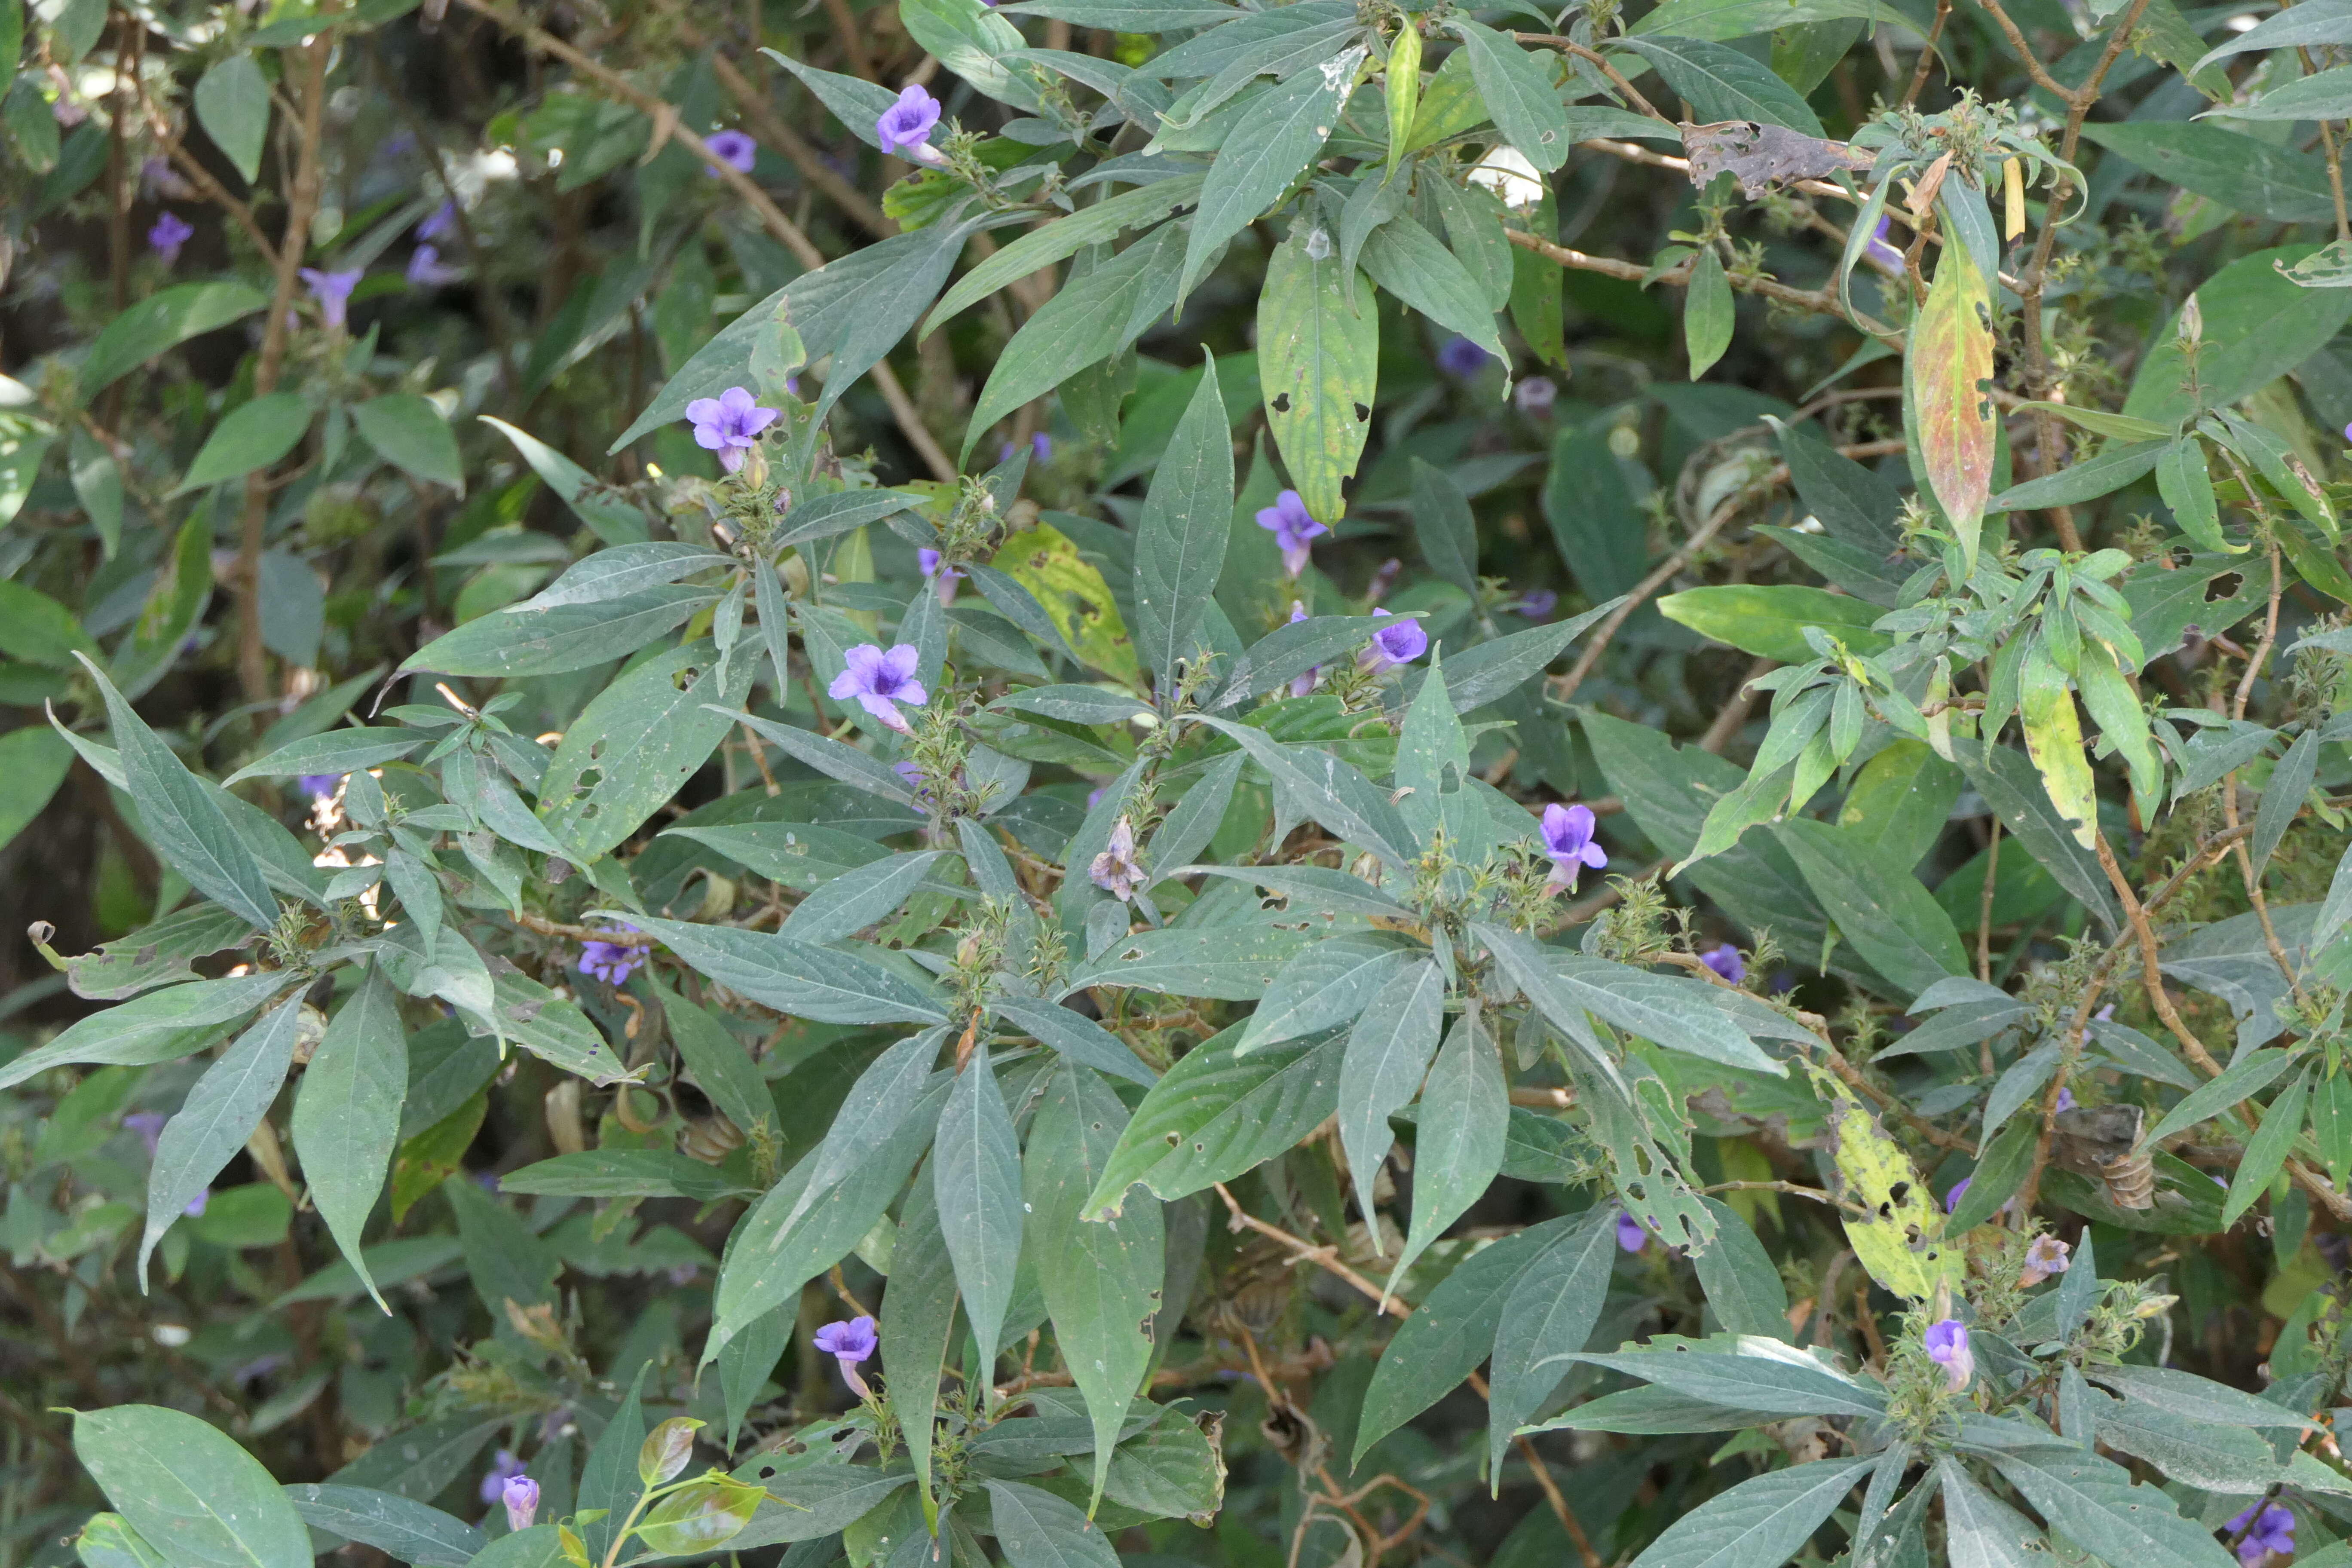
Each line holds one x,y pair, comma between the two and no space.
1273,141
976,1174
1465,1109
1214,1116
2096,1505
1388,1052
1549,1313
1947,371
182,1480
1319,363
1180,545
347,1114
218,1116
1757,1520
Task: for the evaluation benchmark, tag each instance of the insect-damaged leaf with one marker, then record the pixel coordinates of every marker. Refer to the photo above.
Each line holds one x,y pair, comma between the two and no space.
1901,1239
1949,365
1318,364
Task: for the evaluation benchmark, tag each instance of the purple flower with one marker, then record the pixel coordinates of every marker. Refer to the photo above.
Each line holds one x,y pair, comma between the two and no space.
849,1343
1115,870
444,220
425,268
320,786
503,1468
2268,1528
880,681
170,232
1568,839
1041,447
943,582
2065,1099
1384,577
332,291
197,1205
1094,797
1725,961
1534,395
1631,1237
732,148
905,128
2347,432
1300,685
1462,358
1952,1198
729,425
157,180
1948,1347
1884,254
2046,1255
1394,645
611,961
521,1494
1538,603
1292,528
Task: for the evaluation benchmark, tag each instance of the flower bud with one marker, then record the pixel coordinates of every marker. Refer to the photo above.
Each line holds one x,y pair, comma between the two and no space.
2190,330
521,1497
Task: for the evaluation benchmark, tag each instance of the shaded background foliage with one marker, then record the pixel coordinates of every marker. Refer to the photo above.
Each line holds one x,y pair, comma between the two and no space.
1682,356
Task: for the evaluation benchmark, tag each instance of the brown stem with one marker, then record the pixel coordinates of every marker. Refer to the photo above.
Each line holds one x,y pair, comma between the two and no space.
1820,301
1984,905
1598,643
1928,53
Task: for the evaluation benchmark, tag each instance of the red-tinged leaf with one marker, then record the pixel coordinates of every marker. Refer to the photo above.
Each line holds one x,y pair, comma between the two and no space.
1950,366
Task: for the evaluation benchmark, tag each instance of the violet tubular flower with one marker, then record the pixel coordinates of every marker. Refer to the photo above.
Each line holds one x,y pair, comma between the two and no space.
1948,1347
611,961
1462,358
849,1343
443,220
2046,1256
905,128
1631,1237
1394,646
521,1494
1115,870
2266,1527
320,786
1725,962
1568,840
425,268
1293,527
729,425
732,148
333,292
1300,685
1537,604
1881,251
943,582
880,681
1952,1198
170,232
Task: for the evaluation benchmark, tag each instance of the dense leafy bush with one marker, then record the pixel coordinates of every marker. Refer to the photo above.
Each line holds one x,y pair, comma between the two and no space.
749,841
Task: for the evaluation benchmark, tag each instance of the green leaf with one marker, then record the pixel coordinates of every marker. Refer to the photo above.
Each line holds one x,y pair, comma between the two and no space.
1549,1313
1037,1530
1065,237
38,629
642,738
612,519
2258,327
2171,1392
399,1526
34,761
976,1178
160,1026
1234,962
1408,261
1678,1014
556,641
184,817
1458,1146
1102,1279
1900,802
1892,920
1982,1530
408,432
97,482
1074,1034
1771,1516
347,1115
1444,527
1180,544
1450,1333
1517,93
719,1064
1325,788
622,1173
918,1323
1759,1374
160,321
233,105
1323,987
179,1479
220,1113
2248,1076
1948,368
1769,622
2185,484
1318,366
1388,1054
336,752
1272,141
252,435
2283,795
823,983
971,41
1721,20
1707,313
1720,83
2012,788
2243,173
1215,1115
2099,1509
2114,467
1095,315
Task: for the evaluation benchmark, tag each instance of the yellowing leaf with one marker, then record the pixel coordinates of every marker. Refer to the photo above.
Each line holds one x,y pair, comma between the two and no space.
1901,1240
1947,370
1076,597
2053,739
1318,363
